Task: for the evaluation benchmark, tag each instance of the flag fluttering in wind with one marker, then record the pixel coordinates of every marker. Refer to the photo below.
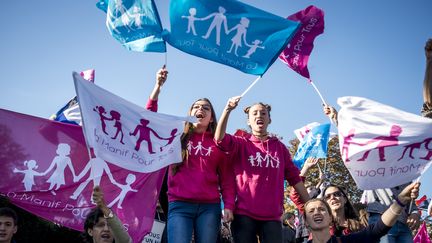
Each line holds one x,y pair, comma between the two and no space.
382,146
126,134
70,113
422,235
135,24
313,145
229,32
46,171
301,132
296,54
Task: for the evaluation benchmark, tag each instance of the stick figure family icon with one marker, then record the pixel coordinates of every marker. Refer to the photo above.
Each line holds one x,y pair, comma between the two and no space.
95,168
142,130
218,20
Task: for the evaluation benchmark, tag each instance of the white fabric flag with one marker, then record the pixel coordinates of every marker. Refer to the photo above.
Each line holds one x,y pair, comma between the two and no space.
382,146
126,134
301,132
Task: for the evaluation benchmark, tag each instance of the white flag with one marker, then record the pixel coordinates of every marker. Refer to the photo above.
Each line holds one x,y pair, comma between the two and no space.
126,134
382,146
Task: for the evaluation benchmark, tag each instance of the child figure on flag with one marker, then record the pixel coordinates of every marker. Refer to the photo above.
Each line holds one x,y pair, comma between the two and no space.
29,174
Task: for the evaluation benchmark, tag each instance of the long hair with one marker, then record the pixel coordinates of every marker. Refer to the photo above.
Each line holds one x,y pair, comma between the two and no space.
349,210
189,129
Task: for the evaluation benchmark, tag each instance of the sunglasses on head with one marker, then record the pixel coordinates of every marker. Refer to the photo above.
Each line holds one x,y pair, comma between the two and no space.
335,194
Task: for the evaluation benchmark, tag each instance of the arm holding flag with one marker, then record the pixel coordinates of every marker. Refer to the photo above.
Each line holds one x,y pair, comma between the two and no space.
118,230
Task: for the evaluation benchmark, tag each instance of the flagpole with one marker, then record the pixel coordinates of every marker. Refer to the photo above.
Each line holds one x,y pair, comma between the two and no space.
250,86
319,93
82,115
412,200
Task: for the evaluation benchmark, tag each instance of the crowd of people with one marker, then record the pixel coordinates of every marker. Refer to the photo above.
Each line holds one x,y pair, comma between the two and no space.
247,172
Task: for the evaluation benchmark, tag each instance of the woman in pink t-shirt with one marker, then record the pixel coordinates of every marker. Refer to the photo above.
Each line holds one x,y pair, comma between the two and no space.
261,163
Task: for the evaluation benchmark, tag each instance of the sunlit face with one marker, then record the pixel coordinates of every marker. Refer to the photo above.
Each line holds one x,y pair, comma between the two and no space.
101,232
335,198
7,228
203,112
258,118
317,215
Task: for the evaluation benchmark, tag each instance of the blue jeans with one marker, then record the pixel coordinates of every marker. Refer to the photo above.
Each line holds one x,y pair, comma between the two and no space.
400,232
203,219
245,230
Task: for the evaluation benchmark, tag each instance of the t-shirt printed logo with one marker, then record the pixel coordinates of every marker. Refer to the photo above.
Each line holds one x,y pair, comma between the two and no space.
199,149
264,161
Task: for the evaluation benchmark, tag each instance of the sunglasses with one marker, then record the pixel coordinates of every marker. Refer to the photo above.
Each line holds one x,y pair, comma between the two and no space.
335,194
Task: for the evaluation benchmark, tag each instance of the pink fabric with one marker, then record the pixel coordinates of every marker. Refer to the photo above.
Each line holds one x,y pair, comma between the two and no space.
260,168
198,178
88,75
30,145
422,235
296,54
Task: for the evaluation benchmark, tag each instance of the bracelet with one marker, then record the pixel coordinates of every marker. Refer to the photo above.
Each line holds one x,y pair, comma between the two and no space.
391,209
399,202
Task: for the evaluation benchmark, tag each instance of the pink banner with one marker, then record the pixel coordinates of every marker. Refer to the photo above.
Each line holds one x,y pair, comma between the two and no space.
296,54
45,169
422,235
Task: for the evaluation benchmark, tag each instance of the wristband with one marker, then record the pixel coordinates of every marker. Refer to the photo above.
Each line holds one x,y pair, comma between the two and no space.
399,202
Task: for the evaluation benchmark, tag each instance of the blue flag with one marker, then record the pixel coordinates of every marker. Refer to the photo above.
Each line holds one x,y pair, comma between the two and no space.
313,145
229,32
134,23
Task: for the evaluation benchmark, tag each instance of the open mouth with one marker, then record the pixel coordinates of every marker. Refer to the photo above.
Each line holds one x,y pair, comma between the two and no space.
106,236
199,115
318,219
259,122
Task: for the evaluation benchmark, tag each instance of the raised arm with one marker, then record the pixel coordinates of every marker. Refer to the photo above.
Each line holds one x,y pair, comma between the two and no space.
427,83
119,233
223,120
161,77
391,215
331,112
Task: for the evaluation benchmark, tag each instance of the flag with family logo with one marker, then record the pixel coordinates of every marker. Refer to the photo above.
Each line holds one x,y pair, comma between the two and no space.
126,134
296,54
301,132
382,146
229,32
70,112
45,169
135,24
313,145
422,235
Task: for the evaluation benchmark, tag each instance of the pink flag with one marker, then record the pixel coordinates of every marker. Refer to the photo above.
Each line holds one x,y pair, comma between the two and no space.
45,169
422,235
296,54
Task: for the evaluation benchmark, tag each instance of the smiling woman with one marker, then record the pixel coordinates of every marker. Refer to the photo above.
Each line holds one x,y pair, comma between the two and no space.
318,216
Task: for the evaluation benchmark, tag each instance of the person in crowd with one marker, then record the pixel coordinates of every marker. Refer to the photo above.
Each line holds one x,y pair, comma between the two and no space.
194,185
427,83
314,191
8,224
261,164
346,219
319,217
288,228
102,225
379,200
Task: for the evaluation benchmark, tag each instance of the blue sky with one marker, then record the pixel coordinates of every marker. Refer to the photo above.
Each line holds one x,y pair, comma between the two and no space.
372,49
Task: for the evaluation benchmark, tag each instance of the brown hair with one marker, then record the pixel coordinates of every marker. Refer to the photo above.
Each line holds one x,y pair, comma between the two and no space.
318,200
268,108
189,129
